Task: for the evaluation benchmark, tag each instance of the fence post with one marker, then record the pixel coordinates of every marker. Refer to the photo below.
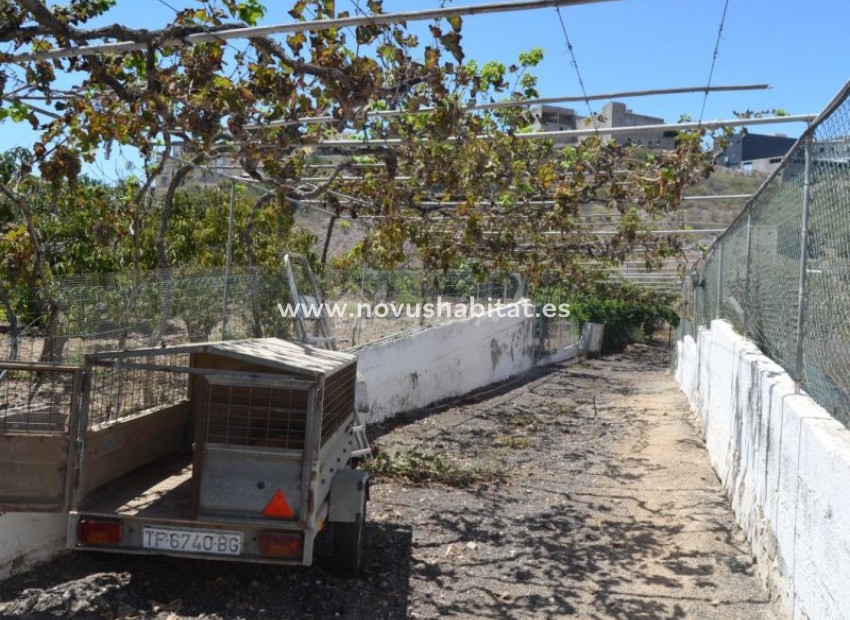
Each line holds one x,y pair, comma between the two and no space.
695,326
747,263
804,259
228,259
719,279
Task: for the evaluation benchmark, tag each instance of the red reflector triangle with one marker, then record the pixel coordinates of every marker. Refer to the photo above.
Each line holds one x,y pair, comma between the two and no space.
279,507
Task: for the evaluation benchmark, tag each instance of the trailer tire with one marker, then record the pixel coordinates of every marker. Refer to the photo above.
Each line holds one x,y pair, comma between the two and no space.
348,546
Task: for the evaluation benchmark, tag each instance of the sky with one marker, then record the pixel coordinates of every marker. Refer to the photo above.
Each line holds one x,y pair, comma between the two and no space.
630,45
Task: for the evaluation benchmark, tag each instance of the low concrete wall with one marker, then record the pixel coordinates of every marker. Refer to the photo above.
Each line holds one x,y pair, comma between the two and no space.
406,373
784,463
28,538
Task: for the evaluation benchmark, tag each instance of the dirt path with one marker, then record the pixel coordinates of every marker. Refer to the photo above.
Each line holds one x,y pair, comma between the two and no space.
611,509
607,508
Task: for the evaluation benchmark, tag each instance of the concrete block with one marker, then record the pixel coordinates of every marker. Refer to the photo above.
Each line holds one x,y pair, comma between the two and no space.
784,462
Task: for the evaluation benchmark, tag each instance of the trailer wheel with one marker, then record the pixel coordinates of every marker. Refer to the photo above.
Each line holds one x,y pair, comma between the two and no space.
348,546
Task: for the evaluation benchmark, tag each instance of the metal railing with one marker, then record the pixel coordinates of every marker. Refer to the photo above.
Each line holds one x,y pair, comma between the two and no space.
781,272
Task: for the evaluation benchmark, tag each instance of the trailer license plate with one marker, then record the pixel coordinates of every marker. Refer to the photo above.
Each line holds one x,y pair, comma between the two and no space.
212,542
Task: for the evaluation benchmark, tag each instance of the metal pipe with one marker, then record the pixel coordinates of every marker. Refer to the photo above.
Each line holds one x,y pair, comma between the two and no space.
719,280
523,103
747,265
530,203
605,232
305,26
694,322
604,131
804,258
720,197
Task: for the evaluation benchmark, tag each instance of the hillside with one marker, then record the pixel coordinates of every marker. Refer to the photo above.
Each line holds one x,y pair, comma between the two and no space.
720,213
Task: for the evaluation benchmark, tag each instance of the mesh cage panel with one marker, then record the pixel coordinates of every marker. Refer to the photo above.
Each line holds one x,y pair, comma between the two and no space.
337,400
35,401
239,415
119,392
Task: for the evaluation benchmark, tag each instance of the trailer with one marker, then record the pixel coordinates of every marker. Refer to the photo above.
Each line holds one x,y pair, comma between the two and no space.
239,451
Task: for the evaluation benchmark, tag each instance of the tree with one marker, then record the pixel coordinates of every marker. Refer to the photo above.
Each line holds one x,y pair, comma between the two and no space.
452,185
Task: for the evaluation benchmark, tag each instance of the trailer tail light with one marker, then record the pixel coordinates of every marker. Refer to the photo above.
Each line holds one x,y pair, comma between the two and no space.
100,532
281,544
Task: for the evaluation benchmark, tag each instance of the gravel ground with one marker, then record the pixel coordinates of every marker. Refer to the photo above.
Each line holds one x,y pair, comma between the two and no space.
594,499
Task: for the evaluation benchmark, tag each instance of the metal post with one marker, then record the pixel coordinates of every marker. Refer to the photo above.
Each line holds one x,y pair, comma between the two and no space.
228,258
719,278
695,325
804,259
747,263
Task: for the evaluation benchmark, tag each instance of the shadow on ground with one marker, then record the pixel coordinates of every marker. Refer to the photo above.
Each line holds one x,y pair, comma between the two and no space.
86,585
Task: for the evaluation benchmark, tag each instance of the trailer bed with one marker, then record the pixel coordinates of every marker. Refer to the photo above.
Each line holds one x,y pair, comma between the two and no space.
162,489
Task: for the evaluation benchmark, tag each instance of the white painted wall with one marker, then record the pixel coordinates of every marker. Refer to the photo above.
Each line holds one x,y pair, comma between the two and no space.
784,463
406,373
28,538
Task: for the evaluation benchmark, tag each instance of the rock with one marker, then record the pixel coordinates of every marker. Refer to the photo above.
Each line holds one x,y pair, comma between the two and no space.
77,607
27,604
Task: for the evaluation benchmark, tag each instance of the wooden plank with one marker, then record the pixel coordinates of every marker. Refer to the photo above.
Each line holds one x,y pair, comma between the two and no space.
117,449
32,448
289,356
33,472
263,352
200,405
32,480
212,361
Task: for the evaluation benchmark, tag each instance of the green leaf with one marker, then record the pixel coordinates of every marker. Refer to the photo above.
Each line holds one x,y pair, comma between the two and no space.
296,41
250,11
297,11
18,112
531,58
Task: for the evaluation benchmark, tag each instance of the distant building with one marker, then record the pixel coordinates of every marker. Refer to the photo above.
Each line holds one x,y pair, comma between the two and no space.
616,114
555,118
752,152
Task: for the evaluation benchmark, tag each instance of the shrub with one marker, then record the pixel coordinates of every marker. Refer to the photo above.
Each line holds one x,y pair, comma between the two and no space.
627,316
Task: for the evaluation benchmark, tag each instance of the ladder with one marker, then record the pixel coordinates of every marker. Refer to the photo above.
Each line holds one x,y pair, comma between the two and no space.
309,307
361,441
325,339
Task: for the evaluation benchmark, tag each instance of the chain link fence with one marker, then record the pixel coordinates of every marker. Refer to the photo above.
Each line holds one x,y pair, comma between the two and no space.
128,310
781,272
132,310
